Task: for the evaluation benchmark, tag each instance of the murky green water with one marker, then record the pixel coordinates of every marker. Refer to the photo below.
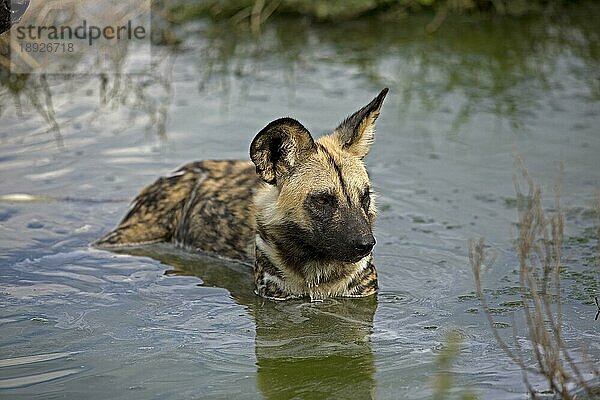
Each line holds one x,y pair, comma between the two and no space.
464,102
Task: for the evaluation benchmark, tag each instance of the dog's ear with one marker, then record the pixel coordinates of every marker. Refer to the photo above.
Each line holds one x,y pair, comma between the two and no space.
357,132
280,146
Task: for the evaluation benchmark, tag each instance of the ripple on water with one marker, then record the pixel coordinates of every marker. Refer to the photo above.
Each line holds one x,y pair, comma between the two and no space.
27,380
9,362
398,297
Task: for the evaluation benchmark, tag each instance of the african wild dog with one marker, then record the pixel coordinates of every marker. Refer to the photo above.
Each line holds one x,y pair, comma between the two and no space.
302,211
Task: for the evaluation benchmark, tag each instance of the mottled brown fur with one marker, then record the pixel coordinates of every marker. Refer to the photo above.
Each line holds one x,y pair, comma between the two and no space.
302,211
204,206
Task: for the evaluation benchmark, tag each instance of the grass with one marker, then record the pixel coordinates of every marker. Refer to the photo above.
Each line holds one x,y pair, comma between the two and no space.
539,247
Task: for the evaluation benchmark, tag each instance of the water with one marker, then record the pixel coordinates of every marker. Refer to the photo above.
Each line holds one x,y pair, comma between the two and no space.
464,103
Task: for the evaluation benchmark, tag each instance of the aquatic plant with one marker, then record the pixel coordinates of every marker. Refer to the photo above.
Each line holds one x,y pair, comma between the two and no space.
539,246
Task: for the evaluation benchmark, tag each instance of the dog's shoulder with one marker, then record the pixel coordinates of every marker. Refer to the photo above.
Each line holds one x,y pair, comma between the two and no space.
219,217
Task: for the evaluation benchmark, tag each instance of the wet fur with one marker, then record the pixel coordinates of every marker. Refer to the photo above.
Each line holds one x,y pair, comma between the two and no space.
269,211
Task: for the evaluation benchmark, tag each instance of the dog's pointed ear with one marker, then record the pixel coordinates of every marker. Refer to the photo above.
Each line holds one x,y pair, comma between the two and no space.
280,146
357,132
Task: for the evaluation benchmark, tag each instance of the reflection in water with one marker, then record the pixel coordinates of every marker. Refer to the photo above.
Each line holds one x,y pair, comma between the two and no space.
486,67
315,351
304,350
149,93
495,64
36,91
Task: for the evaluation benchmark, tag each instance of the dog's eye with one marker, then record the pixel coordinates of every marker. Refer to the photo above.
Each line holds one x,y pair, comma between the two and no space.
366,200
324,200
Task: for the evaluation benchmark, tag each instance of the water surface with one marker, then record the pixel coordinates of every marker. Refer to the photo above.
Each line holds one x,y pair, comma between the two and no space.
464,103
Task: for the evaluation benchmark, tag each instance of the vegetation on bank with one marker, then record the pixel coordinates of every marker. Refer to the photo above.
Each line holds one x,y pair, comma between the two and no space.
258,11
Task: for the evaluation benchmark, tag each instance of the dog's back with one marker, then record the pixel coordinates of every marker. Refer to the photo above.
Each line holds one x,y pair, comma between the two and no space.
204,206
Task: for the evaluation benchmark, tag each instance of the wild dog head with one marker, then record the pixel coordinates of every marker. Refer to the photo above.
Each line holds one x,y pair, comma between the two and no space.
317,203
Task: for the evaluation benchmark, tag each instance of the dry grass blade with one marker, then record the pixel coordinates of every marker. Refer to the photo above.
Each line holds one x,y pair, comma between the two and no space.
597,211
539,248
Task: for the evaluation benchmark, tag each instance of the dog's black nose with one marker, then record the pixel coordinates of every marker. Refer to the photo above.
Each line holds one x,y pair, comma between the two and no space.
365,245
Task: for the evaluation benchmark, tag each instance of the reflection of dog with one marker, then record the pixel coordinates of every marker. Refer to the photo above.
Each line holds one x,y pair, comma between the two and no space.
309,228
303,350
315,350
